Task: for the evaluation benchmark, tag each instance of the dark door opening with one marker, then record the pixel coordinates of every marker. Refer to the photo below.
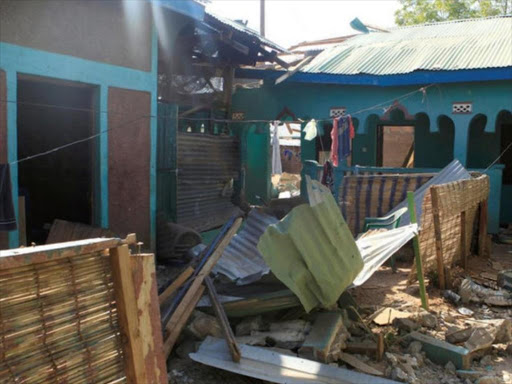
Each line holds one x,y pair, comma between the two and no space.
506,158
395,146
58,185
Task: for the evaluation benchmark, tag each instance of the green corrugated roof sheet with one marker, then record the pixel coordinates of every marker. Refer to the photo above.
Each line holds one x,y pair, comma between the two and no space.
312,250
446,46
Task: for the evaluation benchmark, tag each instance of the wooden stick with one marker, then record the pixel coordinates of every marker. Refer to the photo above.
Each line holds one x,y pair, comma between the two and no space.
180,323
205,271
177,283
437,233
463,252
482,230
223,320
417,254
124,291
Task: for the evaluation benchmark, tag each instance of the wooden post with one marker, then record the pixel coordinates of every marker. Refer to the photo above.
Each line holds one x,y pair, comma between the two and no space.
437,233
463,251
148,316
482,229
127,311
417,254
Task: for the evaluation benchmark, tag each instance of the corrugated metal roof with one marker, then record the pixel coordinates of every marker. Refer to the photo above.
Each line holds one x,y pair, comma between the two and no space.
452,172
446,46
243,29
241,260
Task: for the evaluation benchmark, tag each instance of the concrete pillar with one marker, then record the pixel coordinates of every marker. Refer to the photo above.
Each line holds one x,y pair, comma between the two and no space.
460,150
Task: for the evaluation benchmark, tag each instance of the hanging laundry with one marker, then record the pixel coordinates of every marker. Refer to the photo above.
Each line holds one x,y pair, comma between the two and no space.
311,130
328,176
7,217
277,168
334,142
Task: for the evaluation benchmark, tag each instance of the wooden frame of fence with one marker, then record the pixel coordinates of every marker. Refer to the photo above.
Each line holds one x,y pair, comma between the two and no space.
82,311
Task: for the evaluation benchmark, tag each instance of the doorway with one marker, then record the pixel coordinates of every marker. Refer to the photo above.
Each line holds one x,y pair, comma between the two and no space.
58,185
395,146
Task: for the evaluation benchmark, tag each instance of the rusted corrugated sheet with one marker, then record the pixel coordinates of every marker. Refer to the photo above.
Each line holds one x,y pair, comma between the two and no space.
206,166
241,261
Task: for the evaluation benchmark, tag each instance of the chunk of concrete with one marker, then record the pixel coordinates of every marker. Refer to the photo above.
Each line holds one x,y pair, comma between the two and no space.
203,325
406,325
427,320
250,324
326,339
459,335
287,339
480,339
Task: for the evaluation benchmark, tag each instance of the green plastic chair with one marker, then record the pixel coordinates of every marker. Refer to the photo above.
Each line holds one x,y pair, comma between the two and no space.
388,222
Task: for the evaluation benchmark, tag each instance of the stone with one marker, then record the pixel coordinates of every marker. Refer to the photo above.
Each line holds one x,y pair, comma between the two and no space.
287,339
427,320
486,361
480,339
415,348
450,367
248,325
406,325
458,336
397,373
203,325
489,380
420,359
508,350
291,325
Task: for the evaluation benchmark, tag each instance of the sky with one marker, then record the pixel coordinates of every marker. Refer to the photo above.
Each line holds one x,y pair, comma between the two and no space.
289,22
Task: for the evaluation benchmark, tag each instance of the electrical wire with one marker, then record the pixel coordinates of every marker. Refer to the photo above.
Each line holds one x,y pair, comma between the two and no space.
225,121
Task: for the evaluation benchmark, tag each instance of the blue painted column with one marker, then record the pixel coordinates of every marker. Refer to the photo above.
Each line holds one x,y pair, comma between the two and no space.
103,155
460,150
12,146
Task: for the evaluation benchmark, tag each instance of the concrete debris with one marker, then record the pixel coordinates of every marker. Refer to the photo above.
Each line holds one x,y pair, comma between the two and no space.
288,339
505,279
248,325
404,367
386,316
203,325
489,380
508,350
427,320
326,339
291,325
406,325
415,347
469,291
450,367
480,339
458,336
361,366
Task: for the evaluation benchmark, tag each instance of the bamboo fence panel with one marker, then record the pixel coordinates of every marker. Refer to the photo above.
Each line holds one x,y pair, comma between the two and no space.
362,196
58,319
454,198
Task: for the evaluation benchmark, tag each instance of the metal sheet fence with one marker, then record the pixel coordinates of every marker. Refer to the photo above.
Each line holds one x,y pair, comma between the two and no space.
207,166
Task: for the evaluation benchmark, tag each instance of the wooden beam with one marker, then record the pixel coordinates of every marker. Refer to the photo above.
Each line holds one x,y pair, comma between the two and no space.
437,234
482,229
292,72
179,317
463,251
189,306
178,282
223,320
148,316
417,253
128,315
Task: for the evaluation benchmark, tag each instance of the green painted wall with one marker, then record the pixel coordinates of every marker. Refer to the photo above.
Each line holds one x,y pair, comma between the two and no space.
440,135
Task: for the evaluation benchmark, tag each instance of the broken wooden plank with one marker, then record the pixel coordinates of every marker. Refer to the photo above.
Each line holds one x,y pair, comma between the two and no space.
223,320
264,364
438,236
127,313
441,352
175,332
177,283
268,302
148,316
183,307
359,365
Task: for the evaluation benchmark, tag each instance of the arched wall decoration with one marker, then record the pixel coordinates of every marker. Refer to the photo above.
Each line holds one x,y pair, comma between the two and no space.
394,107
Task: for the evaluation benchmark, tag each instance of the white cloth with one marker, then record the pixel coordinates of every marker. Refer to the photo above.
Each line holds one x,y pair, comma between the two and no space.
277,168
310,130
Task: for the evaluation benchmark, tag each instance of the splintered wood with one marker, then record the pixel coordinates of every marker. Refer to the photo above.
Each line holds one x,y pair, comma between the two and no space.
69,313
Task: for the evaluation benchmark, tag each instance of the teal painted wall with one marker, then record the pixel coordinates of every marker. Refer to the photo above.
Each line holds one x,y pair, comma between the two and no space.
16,60
440,135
